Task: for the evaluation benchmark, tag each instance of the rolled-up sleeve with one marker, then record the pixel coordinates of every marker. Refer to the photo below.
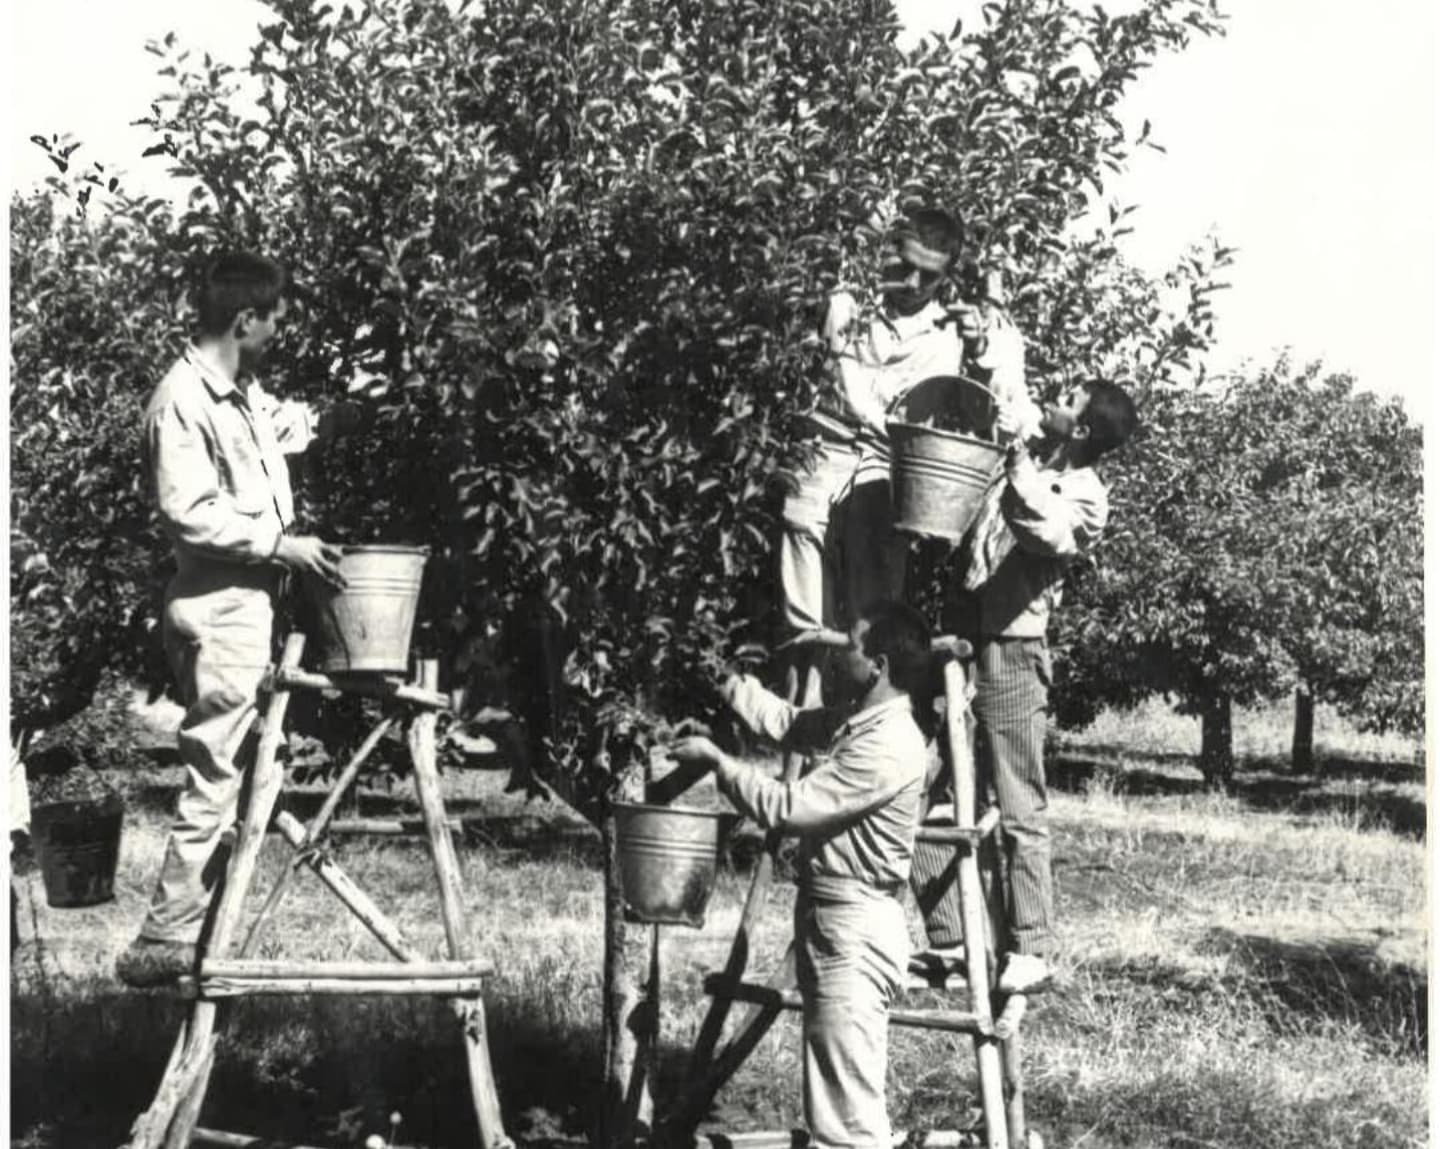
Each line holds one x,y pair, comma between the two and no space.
194,508
836,792
1004,359
783,722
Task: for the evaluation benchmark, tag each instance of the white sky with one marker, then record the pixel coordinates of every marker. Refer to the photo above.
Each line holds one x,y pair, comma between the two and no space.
1306,138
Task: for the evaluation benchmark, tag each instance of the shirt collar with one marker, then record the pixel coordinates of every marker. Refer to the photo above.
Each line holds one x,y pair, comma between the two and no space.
219,386
871,715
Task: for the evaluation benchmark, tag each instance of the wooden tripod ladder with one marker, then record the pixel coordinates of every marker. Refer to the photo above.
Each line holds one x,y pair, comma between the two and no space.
229,970
994,1025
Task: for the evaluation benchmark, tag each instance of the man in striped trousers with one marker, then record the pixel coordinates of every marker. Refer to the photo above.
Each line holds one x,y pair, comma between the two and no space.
1036,519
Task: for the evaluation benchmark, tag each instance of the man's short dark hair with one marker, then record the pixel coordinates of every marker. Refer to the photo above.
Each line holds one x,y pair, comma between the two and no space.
936,229
902,635
1110,414
236,282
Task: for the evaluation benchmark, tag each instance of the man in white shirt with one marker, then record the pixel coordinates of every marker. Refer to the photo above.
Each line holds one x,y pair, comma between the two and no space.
839,549
215,446
855,814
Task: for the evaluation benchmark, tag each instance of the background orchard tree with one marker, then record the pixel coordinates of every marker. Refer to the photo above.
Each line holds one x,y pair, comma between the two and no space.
95,305
580,252
1266,541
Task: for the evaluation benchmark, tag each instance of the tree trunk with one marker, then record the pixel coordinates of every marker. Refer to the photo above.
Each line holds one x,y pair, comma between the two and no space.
1302,746
1217,747
631,1013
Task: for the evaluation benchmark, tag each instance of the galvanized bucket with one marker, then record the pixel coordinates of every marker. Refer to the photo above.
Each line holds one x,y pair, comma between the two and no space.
938,479
367,626
667,861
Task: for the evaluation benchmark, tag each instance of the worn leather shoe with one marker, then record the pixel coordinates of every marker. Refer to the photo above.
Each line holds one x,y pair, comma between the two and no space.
149,962
1023,973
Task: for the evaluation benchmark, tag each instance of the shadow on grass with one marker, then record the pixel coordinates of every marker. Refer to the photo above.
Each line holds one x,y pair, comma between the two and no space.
86,1062
1335,978
1296,984
1261,784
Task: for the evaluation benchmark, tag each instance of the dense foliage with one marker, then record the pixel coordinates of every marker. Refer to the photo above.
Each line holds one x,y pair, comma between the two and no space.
581,250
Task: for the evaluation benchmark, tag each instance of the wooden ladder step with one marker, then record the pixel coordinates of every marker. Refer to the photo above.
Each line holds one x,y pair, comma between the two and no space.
240,977
943,833
799,1139
225,1140
947,982
950,1020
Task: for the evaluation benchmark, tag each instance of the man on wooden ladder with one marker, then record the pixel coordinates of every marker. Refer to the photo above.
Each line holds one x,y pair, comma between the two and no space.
1037,518
216,445
855,814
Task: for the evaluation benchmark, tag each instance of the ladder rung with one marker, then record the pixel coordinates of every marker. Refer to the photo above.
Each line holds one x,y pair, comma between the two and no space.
952,982
952,1020
212,987
243,977
944,834
223,1140
360,970
799,1139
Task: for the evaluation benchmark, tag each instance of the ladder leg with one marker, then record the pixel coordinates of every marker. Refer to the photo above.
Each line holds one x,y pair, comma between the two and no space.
177,1103
1014,1091
979,969
802,682
700,1093
471,1011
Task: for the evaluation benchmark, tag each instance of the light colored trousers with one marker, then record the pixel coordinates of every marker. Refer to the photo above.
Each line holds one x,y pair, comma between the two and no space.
839,550
1011,694
218,640
850,962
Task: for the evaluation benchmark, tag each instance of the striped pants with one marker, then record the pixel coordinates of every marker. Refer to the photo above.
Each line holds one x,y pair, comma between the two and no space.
1011,693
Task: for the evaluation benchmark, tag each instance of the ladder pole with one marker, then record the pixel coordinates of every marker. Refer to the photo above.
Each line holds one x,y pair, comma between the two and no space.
470,1011
176,1107
802,686
972,905
1014,1089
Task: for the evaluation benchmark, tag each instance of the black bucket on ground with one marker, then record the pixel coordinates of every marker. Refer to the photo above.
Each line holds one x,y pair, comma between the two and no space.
78,847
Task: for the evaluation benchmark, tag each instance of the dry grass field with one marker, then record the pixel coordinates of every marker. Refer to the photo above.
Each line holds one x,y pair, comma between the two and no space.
1237,971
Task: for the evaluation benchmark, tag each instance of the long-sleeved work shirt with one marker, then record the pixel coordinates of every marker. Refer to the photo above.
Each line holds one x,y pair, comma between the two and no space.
856,810
1034,522
875,366
216,453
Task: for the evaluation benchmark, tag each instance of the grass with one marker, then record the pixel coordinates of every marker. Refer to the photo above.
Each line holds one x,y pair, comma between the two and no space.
1237,970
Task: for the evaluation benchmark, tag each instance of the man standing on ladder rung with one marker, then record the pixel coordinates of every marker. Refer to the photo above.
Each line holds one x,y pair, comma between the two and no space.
855,814
1037,518
215,445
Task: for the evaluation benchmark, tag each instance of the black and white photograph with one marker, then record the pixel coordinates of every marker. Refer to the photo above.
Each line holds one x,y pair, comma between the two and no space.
719,574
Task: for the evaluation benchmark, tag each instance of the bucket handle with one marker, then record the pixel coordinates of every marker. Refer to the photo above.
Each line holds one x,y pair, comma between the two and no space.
984,429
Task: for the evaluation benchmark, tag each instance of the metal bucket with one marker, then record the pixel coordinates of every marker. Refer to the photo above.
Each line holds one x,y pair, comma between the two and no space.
667,861
938,479
78,847
367,626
